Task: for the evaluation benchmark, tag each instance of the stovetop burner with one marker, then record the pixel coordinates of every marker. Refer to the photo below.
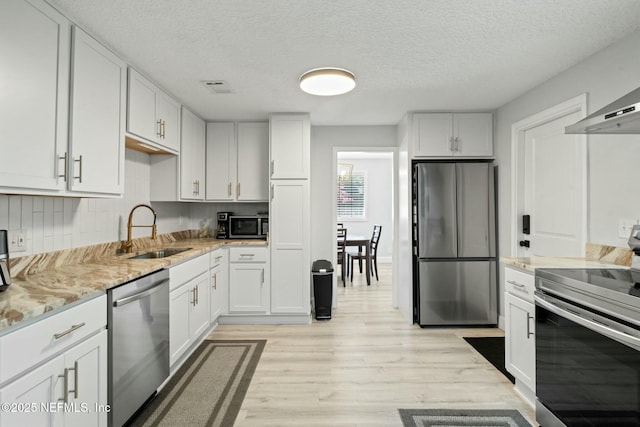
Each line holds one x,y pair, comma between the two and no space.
622,280
609,290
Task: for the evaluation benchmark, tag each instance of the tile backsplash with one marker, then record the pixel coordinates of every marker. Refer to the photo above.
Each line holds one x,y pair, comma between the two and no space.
56,223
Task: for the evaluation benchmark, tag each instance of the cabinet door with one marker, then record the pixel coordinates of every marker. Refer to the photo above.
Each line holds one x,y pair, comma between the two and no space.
253,162
35,46
247,293
221,161
288,240
179,333
199,316
88,380
433,134
192,157
473,134
219,279
96,140
168,113
520,340
290,137
41,386
141,111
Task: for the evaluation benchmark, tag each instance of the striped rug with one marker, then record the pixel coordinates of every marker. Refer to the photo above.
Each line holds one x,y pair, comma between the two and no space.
209,387
462,417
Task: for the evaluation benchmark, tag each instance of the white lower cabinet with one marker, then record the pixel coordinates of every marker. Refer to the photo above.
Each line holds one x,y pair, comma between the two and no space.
219,274
520,346
188,305
68,389
248,280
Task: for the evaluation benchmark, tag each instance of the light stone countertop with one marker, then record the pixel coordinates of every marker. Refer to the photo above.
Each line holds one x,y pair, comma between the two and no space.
533,263
48,282
596,256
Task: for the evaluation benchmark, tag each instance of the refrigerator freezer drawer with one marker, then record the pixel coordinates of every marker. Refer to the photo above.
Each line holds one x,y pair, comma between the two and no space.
457,293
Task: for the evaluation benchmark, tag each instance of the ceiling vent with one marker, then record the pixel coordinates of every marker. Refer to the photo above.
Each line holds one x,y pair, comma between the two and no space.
218,86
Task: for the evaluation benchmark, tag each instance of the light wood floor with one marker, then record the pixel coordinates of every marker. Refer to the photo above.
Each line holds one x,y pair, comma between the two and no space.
358,368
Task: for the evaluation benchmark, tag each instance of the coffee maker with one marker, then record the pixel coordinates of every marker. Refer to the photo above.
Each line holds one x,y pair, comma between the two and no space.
5,276
223,225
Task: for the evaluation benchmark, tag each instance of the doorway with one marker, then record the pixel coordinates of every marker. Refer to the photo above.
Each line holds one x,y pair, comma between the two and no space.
550,183
364,196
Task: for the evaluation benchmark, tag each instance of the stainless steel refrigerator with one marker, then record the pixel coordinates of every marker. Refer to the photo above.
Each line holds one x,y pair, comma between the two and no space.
454,243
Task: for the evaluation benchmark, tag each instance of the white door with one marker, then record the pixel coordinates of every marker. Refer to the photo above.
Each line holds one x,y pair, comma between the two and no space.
552,188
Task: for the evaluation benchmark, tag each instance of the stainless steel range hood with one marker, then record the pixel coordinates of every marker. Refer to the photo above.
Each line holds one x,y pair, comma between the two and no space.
621,116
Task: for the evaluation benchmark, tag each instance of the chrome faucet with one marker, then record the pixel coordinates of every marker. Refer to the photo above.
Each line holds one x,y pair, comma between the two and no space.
128,245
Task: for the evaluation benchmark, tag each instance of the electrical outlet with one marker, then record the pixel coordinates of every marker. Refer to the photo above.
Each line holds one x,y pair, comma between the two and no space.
17,240
624,227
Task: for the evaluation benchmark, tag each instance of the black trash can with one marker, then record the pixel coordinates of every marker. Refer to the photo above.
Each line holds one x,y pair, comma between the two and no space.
322,272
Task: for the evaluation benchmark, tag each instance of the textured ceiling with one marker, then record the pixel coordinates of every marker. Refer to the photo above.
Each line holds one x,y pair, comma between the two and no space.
406,54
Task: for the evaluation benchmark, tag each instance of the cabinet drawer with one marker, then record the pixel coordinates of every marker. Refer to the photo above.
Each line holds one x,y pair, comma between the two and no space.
182,273
39,341
247,254
519,283
217,257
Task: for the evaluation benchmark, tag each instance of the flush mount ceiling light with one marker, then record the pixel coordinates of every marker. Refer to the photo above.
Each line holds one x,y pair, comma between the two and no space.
327,81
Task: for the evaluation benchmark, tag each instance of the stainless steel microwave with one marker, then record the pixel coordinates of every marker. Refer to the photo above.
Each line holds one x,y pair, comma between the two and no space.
248,226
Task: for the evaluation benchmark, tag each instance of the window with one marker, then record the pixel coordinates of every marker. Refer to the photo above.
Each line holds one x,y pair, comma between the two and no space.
351,196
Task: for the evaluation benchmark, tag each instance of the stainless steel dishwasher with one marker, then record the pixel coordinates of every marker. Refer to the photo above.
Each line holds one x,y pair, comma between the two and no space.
138,324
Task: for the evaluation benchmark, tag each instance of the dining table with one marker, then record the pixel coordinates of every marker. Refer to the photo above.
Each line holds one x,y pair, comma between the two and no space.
362,241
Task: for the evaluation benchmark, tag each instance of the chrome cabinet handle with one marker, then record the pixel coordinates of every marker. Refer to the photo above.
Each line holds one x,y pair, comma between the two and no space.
514,283
451,144
68,331
273,166
64,174
65,377
75,379
247,255
215,281
238,190
262,278
164,135
457,144
529,333
193,296
79,161
272,192
218,258
229,189
159,132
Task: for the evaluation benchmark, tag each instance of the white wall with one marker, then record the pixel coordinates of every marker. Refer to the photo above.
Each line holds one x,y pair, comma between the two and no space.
55,223
378,198
323,141
612,159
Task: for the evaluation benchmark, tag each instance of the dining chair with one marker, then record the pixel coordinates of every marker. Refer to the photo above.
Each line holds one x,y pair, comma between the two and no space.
362,255
342,245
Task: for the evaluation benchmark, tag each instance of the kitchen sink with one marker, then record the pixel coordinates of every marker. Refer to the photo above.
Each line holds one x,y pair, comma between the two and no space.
159,253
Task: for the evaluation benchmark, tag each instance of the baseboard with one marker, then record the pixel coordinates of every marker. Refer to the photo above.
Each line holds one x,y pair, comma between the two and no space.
270,319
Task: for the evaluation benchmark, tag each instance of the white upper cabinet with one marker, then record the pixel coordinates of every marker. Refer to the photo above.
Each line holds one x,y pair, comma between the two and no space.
253,162
96,135
221,161
35,45
453,134
289,136
237,161
152,115
192,157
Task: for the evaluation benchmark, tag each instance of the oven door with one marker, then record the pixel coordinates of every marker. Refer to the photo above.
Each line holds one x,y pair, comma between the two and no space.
587,367
244,227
